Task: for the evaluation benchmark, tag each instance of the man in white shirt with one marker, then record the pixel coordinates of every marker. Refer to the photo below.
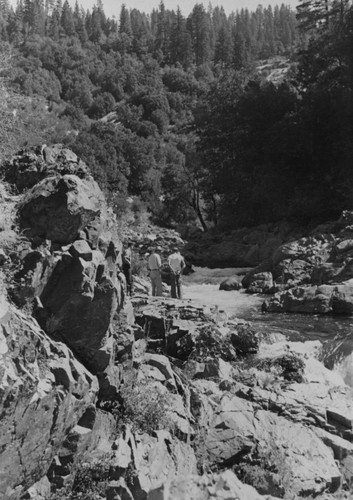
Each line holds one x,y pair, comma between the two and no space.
154,265
176,264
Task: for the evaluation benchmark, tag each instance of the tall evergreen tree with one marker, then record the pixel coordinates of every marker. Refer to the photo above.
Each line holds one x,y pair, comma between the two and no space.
180,50
67,21
124,21
199,29
224,48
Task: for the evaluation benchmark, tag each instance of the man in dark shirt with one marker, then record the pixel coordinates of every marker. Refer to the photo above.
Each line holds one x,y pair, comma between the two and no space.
127,262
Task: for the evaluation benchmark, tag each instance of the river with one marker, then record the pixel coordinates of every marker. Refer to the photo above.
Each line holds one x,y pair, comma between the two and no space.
334,332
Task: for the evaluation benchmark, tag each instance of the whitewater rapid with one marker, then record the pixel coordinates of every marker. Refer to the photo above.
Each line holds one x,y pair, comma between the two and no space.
335,333
202,287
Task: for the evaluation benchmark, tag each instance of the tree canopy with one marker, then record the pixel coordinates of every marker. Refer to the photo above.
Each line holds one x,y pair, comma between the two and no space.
221,119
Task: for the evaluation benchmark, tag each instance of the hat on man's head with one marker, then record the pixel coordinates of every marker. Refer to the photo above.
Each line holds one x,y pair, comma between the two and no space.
158,248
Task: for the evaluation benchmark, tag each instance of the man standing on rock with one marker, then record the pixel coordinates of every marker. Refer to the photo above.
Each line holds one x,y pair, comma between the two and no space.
127,262
154,265
176,264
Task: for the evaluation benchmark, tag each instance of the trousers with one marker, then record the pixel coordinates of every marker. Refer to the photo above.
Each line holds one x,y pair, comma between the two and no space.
128,275
156,282
176,286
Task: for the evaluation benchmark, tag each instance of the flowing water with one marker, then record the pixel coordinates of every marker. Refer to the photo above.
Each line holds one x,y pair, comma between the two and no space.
335,332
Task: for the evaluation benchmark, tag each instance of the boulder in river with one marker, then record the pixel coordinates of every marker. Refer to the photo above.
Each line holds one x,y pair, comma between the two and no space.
323,299
231,283
260,283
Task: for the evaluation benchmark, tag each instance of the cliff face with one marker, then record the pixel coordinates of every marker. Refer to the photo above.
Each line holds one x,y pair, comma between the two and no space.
148,397
44,391
62,262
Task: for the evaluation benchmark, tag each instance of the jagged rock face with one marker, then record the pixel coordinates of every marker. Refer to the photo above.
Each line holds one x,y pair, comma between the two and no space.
72,269
224,485
30,167
323,299
312,274
58,208
260,283
80,301
44,391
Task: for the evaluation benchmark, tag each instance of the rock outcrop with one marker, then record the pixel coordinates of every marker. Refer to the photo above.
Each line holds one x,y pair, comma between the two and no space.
44,391
63,265
154,397
312,274
71,268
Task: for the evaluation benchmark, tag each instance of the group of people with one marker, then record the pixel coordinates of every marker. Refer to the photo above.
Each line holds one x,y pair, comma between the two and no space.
176,265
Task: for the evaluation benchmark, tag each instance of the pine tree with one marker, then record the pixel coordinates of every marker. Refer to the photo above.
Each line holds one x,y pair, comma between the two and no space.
67,20
53,28
199,29
4,16
141,30
124,21
223,50
80,26
38,17
97,25
161,36
180,50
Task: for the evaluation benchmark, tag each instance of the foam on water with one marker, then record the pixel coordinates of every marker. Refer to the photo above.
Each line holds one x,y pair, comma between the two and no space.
335,333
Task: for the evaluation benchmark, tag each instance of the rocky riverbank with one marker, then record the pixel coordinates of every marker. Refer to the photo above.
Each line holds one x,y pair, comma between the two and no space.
313,274
103,396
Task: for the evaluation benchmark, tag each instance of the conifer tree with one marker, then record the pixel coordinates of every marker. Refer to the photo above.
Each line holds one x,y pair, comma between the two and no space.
199,29
4,16
67,20
223,49
124,21
161,36
180,50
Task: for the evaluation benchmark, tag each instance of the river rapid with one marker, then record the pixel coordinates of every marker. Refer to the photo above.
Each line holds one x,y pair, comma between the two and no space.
334,332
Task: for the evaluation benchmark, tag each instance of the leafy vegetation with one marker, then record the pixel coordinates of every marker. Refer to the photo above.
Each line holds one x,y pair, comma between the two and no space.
144,407
89,482
179,112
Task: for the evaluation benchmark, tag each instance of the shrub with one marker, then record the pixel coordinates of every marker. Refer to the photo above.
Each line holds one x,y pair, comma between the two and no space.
289,366
89,482
211,344
144,407
268,471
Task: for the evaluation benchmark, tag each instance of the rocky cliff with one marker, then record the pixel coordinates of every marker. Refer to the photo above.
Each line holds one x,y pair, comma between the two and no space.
60,258
312,274
106,397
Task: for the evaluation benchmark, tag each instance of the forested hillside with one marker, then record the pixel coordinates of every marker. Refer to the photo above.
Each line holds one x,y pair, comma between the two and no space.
182,113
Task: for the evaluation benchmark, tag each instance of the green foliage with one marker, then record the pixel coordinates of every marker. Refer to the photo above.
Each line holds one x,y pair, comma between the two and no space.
191,130
144,407
267,471
89,482
289,366
210,344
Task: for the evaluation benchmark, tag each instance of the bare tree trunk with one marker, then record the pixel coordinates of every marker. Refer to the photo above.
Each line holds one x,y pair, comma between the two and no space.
199,213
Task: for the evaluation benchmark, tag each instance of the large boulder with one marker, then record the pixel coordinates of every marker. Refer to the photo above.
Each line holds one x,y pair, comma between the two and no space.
218,486
71,269
44,391
323,299
59,207
260,283
238,429
79,301
231,283
31,166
